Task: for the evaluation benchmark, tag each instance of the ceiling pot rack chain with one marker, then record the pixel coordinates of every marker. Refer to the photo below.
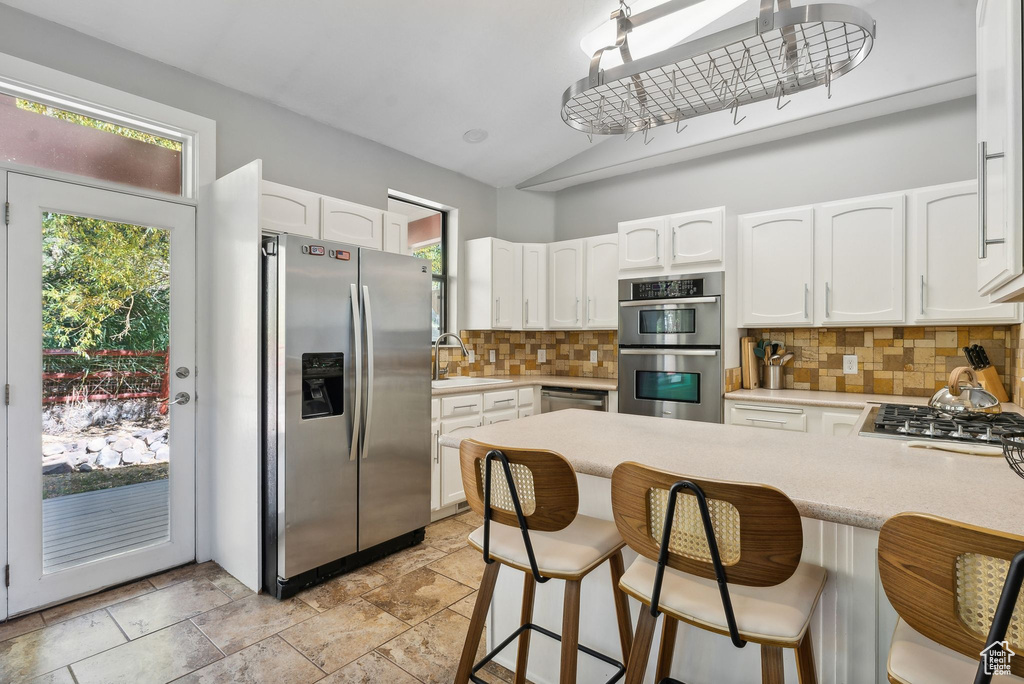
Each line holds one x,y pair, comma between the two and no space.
770,58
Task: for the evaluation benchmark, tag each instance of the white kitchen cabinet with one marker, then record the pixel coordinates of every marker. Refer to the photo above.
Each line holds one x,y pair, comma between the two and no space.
462,405
839,423
284,209
494,284
776,268
451,471
505,288
859,260
500,416
535,286
602,282
500,400
942,223
816,420
1000,239
351,223
526,412
695,237
396,232
565,284
640,243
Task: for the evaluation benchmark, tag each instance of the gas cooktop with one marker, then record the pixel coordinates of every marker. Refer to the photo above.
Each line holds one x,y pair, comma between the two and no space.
899,421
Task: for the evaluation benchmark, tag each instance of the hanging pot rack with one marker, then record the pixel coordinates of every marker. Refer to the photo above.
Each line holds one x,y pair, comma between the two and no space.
772,57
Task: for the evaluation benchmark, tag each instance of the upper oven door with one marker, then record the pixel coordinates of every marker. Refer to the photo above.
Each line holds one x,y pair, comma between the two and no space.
671,383
671,322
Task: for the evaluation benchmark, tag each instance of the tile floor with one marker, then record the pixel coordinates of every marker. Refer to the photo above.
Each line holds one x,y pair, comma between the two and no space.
401,620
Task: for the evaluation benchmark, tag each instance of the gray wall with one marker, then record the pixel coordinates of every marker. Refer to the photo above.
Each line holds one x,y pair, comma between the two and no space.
920,147
526,216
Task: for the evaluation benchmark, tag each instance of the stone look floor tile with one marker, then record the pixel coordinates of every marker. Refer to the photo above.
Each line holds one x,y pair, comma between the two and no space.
241,623
430,651
447,535
21,625
61,676
88,604
148,613
340,635
51,648
153,659
406,561
464,607
471,518
271,660
465,565
372,668
343,588
417,595
229,585
191,571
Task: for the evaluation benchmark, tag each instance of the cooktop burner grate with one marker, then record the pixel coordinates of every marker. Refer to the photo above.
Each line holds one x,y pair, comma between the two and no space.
925,422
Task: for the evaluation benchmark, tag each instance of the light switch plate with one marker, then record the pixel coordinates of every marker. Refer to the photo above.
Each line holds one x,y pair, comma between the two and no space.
542,355
850,364
492,356
593,356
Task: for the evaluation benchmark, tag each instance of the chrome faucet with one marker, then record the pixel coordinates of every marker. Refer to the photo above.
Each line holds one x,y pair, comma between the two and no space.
437,358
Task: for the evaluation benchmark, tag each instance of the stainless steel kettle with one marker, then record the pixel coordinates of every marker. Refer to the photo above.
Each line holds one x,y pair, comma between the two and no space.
957,397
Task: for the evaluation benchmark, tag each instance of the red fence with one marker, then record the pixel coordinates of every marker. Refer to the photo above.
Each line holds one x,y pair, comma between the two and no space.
104,374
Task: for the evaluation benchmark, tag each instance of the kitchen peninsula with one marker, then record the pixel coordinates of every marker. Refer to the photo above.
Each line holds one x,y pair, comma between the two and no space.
844,488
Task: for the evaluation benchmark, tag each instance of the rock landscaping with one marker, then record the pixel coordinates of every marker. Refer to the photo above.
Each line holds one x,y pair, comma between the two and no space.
122,448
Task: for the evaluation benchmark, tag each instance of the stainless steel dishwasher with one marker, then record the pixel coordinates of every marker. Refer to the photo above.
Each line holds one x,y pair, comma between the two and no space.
559,398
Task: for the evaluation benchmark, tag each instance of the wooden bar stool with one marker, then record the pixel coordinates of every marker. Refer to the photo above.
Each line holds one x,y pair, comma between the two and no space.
721,556
957,590
529,501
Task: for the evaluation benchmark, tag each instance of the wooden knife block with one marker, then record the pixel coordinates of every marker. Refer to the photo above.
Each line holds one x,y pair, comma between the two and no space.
989,379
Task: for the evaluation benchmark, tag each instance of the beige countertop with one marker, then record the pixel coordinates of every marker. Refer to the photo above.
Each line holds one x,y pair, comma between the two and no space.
608,384
845,400
859,481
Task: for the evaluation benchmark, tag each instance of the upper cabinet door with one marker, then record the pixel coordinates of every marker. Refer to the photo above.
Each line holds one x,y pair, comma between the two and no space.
860,260
535,287
696,236
999,142
565,285
284,209
602,282
396,232
351,223
505,306
942,222
776,258
640,243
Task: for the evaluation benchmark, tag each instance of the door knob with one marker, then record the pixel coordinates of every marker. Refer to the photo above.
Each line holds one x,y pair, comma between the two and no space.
179,398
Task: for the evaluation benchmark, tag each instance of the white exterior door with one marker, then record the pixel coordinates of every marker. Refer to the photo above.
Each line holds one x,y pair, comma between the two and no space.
860,262
565,285
776,268
351,223
602,282
640,243
89,523
696,237
535,286
943,221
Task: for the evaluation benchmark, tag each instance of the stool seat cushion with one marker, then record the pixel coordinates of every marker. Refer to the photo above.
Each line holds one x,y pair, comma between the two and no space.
568,553
777,614
916,659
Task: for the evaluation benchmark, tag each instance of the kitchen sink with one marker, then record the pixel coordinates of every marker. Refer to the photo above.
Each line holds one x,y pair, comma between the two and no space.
466,382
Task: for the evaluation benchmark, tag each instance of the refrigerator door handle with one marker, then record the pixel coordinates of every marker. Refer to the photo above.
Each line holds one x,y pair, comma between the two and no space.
357,333
369,367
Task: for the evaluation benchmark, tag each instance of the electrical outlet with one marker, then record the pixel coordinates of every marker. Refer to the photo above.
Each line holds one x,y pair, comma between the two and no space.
492,356
593,356
850,364
471,357
542,355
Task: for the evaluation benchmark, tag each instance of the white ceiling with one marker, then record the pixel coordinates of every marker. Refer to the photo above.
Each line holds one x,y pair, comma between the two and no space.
416,75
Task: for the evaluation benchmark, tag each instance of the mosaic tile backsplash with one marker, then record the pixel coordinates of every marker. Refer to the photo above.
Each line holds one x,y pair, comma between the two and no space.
912,361
568,353
1015,359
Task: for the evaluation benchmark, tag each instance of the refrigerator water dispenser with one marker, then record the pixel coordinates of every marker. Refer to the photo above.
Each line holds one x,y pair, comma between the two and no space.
323,384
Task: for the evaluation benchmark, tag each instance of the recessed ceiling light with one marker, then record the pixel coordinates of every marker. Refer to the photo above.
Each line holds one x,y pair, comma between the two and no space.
475,135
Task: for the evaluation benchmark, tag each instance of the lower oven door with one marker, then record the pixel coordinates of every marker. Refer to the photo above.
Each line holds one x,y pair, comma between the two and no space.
671,383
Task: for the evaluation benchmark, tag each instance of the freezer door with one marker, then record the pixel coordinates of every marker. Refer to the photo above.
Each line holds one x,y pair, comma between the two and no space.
317,472
394,478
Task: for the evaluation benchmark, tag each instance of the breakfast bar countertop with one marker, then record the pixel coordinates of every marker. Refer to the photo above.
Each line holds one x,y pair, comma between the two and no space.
858,481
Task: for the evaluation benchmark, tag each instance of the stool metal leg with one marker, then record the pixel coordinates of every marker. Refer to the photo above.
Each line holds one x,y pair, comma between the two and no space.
476,623
523,653
636,668
570,632
667,650
805,660
771,665
621,605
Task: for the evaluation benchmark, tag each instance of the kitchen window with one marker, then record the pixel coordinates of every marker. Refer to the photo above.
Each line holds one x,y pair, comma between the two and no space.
428,239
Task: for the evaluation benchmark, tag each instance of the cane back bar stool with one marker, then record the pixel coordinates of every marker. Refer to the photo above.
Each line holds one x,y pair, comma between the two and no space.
956,588
529,501
721,556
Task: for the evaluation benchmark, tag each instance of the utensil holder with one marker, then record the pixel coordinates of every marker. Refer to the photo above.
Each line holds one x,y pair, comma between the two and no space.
771,377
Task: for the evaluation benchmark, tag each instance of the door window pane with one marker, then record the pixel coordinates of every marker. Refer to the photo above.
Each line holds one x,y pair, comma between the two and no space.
35,134
106,429
666,386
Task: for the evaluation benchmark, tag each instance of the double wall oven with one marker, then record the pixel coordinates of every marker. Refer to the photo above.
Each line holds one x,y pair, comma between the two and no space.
670,346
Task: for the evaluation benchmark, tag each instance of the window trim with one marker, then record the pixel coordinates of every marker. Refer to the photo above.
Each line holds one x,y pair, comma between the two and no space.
441,277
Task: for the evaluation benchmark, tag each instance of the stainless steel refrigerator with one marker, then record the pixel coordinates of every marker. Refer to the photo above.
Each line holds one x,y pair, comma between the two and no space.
346,463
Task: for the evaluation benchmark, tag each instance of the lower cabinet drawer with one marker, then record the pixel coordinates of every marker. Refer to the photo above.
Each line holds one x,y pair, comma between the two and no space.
461,405
772,417
499,400
500,416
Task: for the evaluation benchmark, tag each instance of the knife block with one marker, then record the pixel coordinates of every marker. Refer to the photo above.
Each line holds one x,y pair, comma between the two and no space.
989,379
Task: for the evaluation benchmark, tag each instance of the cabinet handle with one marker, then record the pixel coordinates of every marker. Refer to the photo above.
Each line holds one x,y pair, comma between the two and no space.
437,447
983,241
922,295
464,406
503,401
590,301
657,248
497,311
526,311
577,309
673,254
828,293
807,292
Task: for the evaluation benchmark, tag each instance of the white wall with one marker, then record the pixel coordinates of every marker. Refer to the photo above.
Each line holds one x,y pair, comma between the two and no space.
526,216
909,149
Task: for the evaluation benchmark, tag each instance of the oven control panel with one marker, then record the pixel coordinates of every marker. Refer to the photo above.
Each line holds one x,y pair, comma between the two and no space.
668,289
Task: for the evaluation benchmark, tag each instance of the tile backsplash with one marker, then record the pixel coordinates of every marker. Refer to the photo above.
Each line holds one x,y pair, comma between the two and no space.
911,361
1015,361
568,353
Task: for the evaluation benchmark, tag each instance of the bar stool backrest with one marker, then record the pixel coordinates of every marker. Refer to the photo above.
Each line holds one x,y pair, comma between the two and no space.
545,483
757,528
945,578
